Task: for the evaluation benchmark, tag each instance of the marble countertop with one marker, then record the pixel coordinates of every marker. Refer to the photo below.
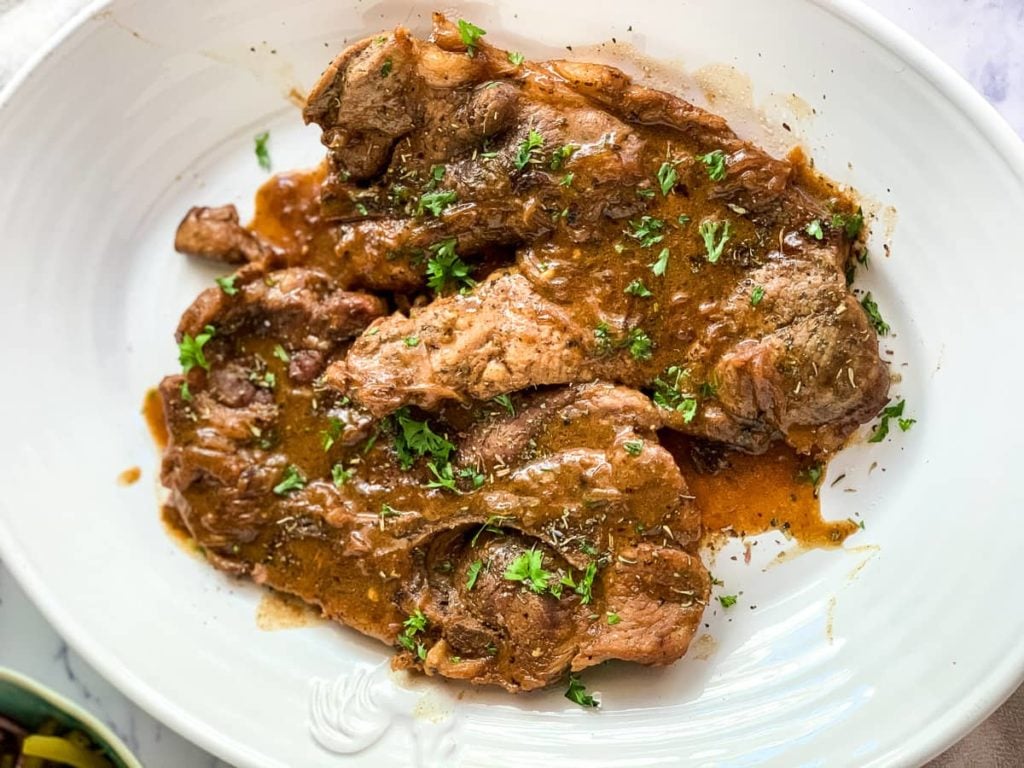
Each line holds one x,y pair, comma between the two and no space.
982,39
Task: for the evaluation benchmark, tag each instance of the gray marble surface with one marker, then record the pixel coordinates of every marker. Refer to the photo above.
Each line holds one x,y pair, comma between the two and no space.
982,39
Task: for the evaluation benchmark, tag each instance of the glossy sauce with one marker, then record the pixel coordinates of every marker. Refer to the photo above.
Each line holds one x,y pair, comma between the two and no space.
129,476
746,495
153,413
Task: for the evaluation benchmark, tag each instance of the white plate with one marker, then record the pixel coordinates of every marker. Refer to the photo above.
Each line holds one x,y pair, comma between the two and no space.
884,653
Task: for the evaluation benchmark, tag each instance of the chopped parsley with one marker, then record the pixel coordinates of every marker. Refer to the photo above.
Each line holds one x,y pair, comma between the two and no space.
586,584
411,341
645,192
813,229
340,475
714,163
528,568
362,210
446,270
505,402
330,435
414,439
668,395
637,288
756,295
262,153
567,179
281,354
473,573
850,223
659,265
444,478
613,618
292,481
811,475
414,625
528,149
667,177
881,327
891,412
436,202
640,344
227,284
561,155
578,694
474,477
515,58
186,393
386,67
727,601
190,350
470,34
603,337
713,244
647,231
633,447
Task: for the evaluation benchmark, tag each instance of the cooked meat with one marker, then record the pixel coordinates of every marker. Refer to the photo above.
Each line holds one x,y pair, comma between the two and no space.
586,491
652,244
571,263
214,233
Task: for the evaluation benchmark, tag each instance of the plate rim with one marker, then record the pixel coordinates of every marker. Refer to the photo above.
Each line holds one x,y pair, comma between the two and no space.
962,717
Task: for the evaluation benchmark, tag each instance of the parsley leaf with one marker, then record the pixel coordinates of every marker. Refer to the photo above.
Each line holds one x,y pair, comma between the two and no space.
443,478
640,344
227,284
813,229
667,177
756,295
603,337
561,155
647,231
470,34
659,266
850,223
340,475
190,351
262,153
727,601
714,163
436,202
811,475
414,439
528,148
586,584
709,231
411,341
881,327
445,269
578,694
567,179
528,568
637,288
292,481
414,625
473,573
330,435
505,402
515,58
386,67
633,447
891,412
668,395
613,618
281,354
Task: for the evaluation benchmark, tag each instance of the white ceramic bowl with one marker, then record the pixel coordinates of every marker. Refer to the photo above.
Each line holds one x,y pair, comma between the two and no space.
883,653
